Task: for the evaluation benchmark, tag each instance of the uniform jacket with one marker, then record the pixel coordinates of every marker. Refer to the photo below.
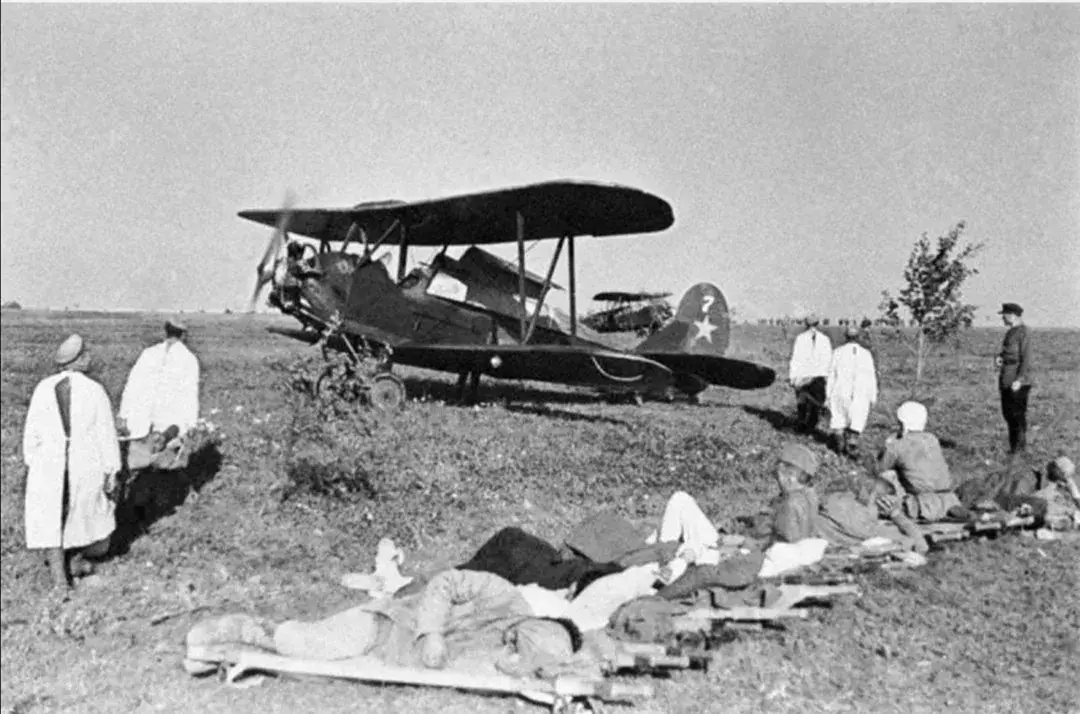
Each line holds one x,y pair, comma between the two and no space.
918,461
1015,357
795,515
93,454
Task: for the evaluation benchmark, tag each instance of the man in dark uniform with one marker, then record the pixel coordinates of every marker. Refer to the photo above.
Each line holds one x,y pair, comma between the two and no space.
1014,378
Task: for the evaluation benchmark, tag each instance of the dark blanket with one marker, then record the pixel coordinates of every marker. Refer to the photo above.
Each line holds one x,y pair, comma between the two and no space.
605,537
1008,489
522,559
735,573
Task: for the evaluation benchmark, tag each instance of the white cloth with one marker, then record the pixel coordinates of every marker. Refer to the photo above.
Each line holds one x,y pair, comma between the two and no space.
784,557
851,388
684,521
387,578
592,609
93,455
544,602
162,390
811,356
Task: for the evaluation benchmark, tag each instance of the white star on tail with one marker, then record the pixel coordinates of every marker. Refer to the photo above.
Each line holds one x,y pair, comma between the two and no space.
704,329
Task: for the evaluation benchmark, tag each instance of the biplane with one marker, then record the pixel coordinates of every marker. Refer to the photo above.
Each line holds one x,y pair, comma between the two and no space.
479,314
640,313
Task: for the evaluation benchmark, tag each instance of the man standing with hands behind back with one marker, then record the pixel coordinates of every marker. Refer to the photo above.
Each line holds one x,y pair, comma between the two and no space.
1014,378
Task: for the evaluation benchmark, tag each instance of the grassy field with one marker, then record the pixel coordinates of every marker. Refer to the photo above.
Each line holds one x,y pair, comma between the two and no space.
298,497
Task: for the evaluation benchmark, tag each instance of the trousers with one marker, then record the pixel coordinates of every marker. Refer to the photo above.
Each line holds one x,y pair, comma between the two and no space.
1014,405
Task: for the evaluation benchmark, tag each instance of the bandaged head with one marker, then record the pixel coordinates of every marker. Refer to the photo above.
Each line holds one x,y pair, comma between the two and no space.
536,643
912,415
1061,468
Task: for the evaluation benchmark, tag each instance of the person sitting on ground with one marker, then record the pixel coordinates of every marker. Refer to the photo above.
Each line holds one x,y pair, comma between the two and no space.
849,519
1061,494
1051,496
792,515
466,620
161,396
913,460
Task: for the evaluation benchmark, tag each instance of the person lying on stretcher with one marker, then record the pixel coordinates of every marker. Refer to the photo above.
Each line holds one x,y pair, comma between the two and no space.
475,622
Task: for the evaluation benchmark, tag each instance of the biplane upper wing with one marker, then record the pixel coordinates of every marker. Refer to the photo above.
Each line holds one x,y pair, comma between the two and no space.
616,296
561,364
551,210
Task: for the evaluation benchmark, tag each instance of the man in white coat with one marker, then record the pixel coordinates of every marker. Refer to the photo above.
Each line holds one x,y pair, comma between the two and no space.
808,370
162,390
72,456
851,391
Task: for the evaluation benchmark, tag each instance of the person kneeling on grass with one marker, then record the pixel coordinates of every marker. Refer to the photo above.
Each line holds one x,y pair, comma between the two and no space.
914,461
463,620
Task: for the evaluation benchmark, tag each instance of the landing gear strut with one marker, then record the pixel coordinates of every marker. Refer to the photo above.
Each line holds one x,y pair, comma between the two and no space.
363,374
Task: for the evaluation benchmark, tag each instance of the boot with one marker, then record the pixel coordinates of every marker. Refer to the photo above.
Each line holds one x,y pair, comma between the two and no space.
839,442
57,563
851,446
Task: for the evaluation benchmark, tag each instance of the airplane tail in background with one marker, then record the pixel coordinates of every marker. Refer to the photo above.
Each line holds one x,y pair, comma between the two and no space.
693,344
701,325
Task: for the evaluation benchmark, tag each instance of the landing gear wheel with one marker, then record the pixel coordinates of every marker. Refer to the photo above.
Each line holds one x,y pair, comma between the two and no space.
341,382
387,392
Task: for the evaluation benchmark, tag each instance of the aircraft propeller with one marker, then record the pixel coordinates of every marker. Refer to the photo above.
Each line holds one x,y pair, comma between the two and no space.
264,272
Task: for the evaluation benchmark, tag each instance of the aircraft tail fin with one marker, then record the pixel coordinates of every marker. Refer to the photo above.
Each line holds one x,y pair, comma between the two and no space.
701,325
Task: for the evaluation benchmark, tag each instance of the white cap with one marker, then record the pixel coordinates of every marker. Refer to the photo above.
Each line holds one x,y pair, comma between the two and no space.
912,415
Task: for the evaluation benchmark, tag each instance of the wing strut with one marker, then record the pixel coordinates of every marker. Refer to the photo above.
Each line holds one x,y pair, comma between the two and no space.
573,288
521,270
547,287
368,250
404,254
353,229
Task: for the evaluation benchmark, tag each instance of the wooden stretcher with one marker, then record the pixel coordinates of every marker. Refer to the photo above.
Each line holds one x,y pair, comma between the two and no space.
784,608
945,532
563,693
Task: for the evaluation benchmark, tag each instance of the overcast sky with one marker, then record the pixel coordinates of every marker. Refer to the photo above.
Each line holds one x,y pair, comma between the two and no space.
804,148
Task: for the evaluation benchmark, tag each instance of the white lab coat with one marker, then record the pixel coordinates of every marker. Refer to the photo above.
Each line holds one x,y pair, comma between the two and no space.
811,357
162,389
94,455
851,388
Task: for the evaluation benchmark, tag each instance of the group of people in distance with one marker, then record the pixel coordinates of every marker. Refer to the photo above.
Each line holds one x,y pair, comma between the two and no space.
844,380
71,444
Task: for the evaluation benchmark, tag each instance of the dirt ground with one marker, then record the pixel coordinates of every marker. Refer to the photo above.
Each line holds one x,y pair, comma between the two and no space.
291,501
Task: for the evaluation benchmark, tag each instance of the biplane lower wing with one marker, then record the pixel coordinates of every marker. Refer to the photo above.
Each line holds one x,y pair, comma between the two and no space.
561,364
721,371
